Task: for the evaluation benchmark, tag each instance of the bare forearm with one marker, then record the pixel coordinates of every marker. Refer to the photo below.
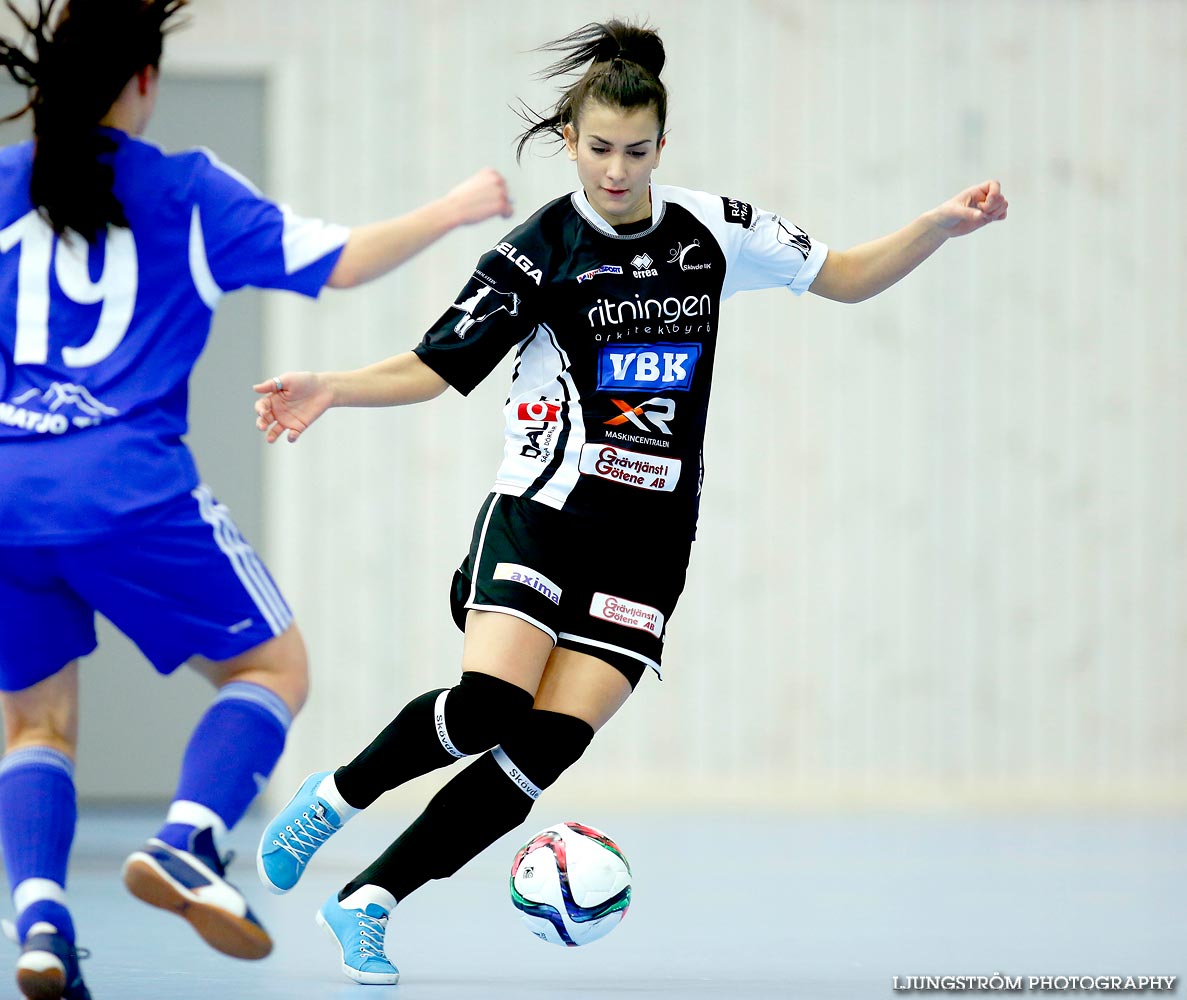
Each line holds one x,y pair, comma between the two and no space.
378,247
869,268
395,381
853,275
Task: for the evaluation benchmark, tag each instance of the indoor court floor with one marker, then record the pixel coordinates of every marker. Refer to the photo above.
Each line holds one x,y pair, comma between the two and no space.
724,906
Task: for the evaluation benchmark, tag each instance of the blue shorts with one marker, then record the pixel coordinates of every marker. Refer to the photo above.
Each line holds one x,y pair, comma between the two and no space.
182,583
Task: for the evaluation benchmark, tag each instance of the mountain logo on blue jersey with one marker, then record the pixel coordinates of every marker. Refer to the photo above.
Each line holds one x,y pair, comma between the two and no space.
88,411
648,366
482,305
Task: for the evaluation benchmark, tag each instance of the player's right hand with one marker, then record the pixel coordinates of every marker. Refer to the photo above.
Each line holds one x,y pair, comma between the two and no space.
301,399
480,197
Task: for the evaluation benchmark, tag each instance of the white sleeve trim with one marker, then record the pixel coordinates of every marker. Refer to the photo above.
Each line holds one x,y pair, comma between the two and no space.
207,287
810,268
308,240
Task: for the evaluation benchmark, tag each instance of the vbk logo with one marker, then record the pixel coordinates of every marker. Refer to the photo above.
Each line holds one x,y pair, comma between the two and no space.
648,366
542,411
482,305
658,411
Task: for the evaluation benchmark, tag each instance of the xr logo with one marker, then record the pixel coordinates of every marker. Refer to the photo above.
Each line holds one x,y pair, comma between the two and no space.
658,411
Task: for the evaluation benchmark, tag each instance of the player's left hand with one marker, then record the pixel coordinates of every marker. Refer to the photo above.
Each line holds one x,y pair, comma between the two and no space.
290,403
972,209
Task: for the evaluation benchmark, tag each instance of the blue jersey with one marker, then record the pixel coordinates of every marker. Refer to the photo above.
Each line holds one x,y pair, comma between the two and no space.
97,341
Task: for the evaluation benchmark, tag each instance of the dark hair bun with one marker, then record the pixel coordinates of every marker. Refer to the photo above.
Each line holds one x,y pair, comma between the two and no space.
632,43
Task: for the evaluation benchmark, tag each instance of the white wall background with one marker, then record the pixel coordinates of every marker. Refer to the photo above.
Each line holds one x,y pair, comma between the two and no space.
942,550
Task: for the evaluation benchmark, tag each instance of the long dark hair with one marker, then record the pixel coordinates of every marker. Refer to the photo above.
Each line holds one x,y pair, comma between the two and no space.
625,63
76,71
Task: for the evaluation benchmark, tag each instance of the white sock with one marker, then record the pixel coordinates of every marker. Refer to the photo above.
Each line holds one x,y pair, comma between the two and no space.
329,791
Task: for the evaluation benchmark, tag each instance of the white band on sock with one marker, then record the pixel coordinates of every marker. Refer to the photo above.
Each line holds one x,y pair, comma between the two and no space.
359,899
439,723
197,815
328,790
515,774
37,890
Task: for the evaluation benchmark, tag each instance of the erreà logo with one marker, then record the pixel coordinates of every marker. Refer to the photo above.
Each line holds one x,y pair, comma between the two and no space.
642,262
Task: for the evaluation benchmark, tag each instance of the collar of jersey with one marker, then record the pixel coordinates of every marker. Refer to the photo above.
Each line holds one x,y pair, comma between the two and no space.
590,215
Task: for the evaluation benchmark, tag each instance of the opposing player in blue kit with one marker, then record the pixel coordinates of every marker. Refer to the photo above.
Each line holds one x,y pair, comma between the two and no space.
610,298
113,256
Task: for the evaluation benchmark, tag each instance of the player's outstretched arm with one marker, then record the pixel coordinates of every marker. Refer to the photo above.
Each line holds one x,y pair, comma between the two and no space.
305,396
373,250
867,269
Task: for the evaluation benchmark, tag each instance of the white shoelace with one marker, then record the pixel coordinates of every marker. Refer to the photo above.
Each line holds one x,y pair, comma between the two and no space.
371,935
306,836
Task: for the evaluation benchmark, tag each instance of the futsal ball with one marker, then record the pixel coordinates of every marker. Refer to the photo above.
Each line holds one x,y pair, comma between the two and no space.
571,884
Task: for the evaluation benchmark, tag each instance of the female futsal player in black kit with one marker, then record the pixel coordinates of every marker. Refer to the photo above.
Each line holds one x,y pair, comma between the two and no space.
611,298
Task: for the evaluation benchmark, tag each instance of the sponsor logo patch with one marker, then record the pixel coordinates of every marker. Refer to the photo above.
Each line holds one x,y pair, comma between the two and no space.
482,305
632,614
642,266
658,411
542,411
648,366
604,269
529,578
631,468
738,212
520,261
791,235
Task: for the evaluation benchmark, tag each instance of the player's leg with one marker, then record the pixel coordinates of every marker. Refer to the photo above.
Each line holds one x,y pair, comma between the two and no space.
43,625
227,761
497,646
502,661
185,586
577,695
38,813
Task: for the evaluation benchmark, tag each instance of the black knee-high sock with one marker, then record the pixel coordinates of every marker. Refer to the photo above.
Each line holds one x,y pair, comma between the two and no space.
489,798
432,731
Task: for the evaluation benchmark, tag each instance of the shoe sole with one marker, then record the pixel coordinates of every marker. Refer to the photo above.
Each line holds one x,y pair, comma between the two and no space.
223,931
364,978
41,984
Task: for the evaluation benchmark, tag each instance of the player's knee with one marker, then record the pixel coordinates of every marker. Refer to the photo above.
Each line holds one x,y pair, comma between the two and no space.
281,665
478,712
544,747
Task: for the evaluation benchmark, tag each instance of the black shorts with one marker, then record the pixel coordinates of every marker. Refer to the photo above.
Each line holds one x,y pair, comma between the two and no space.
606,588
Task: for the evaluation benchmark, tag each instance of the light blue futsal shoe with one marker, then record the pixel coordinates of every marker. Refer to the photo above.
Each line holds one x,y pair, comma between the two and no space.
313,815
359,923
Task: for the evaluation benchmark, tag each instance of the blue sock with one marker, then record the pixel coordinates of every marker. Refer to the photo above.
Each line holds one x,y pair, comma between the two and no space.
229,759
38,812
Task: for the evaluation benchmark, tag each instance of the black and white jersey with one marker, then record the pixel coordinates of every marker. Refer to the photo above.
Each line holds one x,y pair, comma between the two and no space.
616,336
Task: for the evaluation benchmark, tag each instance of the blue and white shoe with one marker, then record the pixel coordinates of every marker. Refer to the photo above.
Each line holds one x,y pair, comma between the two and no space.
359,924
48,966
191,884
314,814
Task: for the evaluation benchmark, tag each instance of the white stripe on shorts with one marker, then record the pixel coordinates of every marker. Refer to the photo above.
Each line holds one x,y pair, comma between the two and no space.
478,551
243,560
617,649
